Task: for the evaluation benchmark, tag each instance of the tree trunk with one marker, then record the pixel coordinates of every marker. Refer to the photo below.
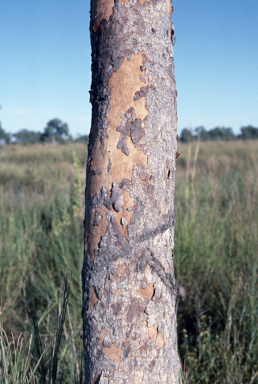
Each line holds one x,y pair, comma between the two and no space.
129,288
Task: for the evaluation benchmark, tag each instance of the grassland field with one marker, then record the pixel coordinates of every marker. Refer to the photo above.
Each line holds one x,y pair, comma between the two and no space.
216,254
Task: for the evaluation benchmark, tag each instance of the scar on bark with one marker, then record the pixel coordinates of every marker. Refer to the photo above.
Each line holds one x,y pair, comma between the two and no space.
147,292
103,334
113,353
122,269
160,341
152,333
93,297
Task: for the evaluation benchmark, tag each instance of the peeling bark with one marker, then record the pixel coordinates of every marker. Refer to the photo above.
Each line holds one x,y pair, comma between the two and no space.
129,288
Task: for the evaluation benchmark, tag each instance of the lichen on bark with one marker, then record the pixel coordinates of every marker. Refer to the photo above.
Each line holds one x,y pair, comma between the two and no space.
129,288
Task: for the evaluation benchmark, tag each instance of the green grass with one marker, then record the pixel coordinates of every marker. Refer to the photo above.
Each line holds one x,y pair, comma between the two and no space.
216,257
216,243
41,233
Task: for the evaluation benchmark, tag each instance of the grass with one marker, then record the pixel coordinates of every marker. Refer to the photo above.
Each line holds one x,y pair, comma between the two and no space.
216,242
16,366
42,234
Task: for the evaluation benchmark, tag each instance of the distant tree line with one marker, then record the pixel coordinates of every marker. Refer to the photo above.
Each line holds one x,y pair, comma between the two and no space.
219,133
55,131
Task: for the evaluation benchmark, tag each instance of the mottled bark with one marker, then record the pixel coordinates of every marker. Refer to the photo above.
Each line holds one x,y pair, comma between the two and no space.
129,288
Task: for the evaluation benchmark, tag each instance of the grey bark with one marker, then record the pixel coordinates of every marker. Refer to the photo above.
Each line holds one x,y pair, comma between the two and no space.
129,288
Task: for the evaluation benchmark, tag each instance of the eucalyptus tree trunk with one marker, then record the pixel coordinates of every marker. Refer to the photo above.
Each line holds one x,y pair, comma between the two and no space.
129,288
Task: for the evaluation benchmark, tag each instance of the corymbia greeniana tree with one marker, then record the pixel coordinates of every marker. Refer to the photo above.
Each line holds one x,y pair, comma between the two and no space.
129,288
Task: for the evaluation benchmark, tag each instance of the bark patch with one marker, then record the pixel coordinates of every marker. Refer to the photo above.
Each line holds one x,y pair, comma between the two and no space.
160,341
97,228
135,311
122,269
152,333
131,126
152,365
169,6
142,92
116,307
174,378
113,353
103,334
93,297
147,292
101,9
123,85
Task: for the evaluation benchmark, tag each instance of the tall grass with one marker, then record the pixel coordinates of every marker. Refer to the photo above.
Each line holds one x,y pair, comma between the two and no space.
41,233
216,260
15,364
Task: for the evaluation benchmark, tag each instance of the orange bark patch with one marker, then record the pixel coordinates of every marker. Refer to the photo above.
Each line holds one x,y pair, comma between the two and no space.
101,9
93,298
113,353
152,333
160,341
123,84
147,292
122,269
169,6
103,334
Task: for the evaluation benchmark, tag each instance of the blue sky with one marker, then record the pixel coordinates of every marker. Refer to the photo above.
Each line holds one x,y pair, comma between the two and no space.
45,63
